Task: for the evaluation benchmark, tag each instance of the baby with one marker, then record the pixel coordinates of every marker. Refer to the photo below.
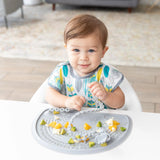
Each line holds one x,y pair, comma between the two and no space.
75,83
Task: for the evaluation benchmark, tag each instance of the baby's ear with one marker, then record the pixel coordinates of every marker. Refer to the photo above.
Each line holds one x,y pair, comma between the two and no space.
105,50
65,46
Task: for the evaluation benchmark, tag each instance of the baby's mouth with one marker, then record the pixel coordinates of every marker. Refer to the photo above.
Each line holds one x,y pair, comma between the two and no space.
84,65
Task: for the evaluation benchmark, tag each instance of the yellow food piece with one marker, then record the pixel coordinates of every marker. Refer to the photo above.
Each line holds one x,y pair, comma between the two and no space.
71,125
63,131
78,136
56,112
43,122
103,144
113,128
66,125
73,129
58,126
85,140
113,125
71,141
52,124
115,122
91,144
87,126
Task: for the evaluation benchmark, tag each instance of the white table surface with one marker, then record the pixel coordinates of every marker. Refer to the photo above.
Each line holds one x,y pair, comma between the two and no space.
17,142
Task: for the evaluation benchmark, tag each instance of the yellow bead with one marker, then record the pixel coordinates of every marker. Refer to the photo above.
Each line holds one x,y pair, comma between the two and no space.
56,112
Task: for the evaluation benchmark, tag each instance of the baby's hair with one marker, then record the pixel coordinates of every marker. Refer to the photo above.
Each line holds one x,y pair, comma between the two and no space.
84,25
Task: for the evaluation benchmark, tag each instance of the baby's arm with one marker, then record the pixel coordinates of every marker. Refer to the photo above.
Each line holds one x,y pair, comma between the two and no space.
57,99
113,99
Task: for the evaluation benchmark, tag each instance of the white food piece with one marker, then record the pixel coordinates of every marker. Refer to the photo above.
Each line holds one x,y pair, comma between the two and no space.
113,129
56,117
110,122
56,131
76,141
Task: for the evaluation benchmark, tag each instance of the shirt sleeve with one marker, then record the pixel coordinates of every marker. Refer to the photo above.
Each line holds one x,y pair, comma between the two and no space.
55,79
111,78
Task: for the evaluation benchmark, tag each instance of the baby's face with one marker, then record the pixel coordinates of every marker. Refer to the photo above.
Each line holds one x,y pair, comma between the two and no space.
85,53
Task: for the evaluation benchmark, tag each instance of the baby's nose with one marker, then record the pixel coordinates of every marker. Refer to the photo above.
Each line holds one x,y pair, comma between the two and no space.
84,56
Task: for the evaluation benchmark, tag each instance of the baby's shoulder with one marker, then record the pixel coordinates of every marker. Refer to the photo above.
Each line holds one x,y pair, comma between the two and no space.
63,64
109,70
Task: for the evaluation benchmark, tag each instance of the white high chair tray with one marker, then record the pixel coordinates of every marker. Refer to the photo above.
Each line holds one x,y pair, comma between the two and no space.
45,136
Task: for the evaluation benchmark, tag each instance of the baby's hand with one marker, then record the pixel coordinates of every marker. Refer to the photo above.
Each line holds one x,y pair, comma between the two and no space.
98,90
75,102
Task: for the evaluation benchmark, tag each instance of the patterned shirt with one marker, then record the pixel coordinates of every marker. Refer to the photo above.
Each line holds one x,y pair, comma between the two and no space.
66,81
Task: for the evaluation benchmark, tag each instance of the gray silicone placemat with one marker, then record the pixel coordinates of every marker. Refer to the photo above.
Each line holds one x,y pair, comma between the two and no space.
44,134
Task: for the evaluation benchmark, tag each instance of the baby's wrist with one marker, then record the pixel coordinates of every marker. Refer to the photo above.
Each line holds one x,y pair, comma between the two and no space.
66,102
104,98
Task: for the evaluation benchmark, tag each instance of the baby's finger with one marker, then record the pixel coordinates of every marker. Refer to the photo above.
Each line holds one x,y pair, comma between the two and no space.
94,87
83,99
79,102
100,95
90,85
77,107
96,90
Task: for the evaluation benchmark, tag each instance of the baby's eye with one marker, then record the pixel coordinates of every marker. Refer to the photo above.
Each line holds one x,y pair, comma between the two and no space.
76,50
91,50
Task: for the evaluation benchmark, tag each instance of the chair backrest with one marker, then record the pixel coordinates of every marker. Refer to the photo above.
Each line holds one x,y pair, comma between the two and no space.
39,96
9,6
132,102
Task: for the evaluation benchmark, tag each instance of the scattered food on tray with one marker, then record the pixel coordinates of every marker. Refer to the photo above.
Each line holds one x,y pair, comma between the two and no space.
99,124
73,129
56,112
58,126
112,124
63,131
52,124
104,144
122,129
43,122
113,128
87,126
78,136
56,117
91,144
84,139
60,129
66,125
71,141
56,131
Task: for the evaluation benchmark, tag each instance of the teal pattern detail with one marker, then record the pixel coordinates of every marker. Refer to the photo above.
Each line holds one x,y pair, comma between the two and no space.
105,107
106,71
91,104
108,87
70,88
100,65
89,94
57,80
92,78
71,95
65,70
